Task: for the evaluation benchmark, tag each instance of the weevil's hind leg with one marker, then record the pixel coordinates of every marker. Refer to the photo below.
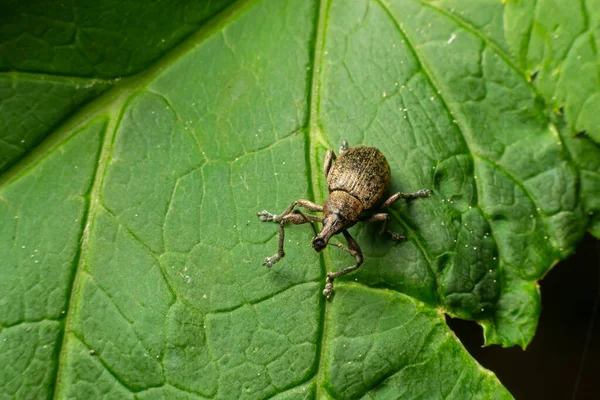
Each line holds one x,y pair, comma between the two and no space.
354,250
309,205
395,236
296,219
344,146
400,195
329,159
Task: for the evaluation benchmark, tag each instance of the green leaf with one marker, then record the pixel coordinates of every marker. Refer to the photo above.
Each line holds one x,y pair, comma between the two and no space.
105,39
131,251
90,42
31,106
553,42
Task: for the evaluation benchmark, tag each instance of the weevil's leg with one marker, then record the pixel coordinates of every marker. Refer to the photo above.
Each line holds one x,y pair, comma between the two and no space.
329,159
344,146
353,249
395,236
400,195
309,205
306,217
341,246
296,219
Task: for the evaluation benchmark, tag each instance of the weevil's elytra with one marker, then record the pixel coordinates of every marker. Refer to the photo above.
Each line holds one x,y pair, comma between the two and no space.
362,172
357,181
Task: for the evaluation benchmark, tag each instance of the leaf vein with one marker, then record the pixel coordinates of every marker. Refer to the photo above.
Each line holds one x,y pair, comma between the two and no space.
93,199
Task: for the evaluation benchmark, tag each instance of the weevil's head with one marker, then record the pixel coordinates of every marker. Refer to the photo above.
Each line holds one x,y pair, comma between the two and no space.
341,211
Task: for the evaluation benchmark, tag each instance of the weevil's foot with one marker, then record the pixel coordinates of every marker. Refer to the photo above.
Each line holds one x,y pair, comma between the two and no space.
423,193
266,216
344,146
270,261
328,291
396,237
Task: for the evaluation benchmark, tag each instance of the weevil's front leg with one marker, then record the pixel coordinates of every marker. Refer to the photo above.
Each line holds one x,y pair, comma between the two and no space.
400,195
296,219
342,247
329,159
309,205
395,236
354,250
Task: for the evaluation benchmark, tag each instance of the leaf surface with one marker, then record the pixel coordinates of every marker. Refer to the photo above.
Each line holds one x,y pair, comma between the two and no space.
554,43
131,249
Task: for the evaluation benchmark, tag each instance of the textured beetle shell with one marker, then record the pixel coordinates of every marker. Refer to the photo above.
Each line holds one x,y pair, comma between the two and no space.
362,172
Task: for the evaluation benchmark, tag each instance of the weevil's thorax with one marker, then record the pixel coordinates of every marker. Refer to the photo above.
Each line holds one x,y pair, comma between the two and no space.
341,210
342,206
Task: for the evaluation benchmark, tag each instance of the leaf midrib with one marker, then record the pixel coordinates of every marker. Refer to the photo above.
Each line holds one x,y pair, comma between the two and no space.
314,135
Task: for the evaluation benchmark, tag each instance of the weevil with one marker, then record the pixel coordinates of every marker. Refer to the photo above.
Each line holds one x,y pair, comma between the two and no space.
357,181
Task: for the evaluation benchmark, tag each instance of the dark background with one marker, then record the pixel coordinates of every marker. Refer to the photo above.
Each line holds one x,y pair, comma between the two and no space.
563,360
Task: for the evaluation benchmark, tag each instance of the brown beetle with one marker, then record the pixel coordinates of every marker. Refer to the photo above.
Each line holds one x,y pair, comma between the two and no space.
357,181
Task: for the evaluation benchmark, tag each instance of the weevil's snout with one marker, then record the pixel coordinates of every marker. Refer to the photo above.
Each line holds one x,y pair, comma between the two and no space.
331,225
318,244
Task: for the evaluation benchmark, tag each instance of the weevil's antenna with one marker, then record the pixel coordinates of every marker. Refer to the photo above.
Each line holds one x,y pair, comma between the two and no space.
307,220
